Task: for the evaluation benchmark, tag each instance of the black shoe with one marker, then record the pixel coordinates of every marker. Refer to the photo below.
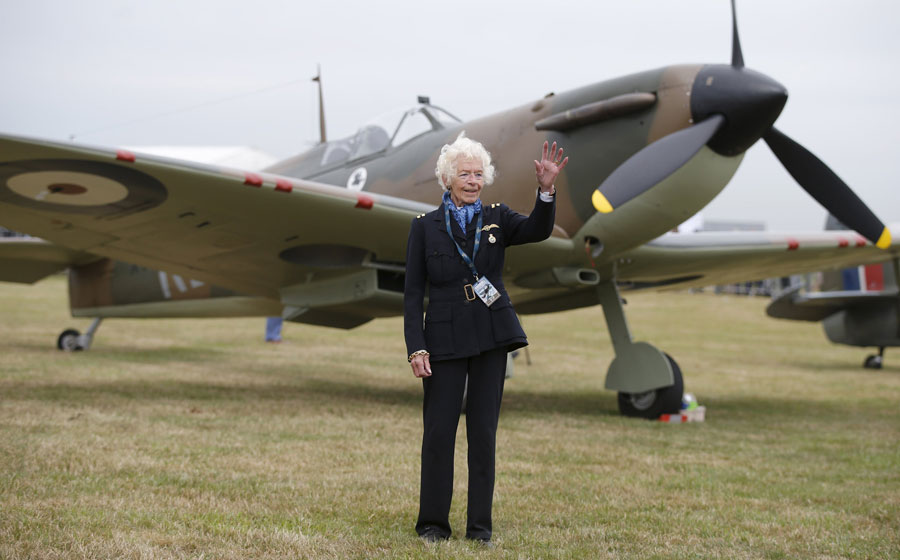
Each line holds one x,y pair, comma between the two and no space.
483,541
433,534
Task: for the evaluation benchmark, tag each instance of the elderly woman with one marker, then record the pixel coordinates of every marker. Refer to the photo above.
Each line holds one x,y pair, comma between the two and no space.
457,252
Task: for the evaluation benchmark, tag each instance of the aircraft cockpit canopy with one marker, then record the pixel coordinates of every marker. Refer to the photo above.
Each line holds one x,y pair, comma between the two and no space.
390,129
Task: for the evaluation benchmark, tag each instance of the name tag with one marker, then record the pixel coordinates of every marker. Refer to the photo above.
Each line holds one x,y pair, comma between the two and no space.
486,291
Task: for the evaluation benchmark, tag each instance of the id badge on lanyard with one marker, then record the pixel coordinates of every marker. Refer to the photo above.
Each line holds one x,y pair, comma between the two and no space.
484,290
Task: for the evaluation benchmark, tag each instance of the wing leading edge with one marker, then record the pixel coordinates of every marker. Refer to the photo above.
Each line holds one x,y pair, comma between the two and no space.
685,260
253,233
798,305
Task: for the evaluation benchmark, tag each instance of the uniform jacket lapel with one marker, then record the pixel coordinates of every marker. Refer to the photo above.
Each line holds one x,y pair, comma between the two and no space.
454,225
457,231
470,229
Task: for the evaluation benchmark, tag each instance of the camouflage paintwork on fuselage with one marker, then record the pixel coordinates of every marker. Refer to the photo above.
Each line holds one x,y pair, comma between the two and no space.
107,288
407,171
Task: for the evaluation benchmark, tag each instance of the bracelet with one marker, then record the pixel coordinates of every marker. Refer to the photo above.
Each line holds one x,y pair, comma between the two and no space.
417,353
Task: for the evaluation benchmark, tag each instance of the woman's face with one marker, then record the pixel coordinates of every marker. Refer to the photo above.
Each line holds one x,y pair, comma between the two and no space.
466,185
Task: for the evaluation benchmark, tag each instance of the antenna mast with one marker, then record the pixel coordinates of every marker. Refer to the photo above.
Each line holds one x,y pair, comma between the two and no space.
318,78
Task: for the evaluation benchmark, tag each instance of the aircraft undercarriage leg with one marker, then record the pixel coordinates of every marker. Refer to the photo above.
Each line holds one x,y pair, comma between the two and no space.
875,361
70,340
649,381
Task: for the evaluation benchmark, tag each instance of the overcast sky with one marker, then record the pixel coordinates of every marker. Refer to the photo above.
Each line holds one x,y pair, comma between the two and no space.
225,72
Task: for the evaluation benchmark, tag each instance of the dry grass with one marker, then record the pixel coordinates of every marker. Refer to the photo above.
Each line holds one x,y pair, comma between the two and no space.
194,439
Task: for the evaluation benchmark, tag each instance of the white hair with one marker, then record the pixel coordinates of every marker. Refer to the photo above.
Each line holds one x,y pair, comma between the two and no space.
462,148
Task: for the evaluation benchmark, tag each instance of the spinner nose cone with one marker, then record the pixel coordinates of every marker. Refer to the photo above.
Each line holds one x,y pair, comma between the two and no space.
749,101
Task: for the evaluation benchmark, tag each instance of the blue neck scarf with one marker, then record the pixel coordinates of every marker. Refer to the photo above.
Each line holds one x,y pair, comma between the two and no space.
462,215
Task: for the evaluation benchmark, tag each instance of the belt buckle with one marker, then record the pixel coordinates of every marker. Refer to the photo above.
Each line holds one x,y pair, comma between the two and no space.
469,289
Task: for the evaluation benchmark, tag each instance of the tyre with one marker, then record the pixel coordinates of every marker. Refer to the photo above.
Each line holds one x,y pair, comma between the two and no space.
68,341
653,404
873,362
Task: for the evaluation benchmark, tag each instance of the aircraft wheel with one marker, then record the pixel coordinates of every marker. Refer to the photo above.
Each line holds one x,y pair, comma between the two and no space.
873,362
653,404
68,341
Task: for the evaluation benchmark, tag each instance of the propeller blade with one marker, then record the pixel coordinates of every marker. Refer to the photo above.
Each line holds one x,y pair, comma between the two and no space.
827,188
737,56
652,164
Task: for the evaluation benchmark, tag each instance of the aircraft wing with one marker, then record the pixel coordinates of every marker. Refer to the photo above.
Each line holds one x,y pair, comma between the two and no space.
27,260
683,260
798,305
253,233
272,236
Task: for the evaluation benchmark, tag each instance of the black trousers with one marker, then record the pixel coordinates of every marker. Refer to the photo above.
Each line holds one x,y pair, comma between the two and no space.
443,401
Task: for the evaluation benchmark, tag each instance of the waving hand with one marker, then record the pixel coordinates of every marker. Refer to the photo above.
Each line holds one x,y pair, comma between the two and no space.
548,168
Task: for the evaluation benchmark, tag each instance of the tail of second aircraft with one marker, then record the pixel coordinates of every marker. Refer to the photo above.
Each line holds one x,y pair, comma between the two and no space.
857,306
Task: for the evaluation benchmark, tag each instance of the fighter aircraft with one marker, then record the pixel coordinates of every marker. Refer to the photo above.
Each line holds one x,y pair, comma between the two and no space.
856,313
321,237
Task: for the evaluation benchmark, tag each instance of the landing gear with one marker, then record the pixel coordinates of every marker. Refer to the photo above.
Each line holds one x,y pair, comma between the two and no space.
648,381
875,361
68,341
654,403
71,340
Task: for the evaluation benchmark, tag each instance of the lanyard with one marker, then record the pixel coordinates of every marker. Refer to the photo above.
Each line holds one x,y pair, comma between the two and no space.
462,253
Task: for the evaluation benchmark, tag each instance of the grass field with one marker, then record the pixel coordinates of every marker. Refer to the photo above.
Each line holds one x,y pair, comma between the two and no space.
194,439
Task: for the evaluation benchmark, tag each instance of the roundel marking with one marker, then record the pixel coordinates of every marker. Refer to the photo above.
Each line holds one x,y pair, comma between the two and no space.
357,179
79,187
67,187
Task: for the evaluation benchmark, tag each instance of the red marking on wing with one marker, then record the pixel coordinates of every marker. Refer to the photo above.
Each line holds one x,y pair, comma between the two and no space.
253,180
364,202
125,155
843,243
793,244
283,185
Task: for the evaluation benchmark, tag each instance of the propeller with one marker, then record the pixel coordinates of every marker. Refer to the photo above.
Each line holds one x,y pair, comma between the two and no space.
827,188
733,107
737,55
652,164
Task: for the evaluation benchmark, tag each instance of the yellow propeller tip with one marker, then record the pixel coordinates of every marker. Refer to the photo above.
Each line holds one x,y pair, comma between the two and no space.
884,241
600,203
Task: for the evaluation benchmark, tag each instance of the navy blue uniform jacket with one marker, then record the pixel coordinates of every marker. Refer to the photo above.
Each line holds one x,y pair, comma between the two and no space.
455,327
